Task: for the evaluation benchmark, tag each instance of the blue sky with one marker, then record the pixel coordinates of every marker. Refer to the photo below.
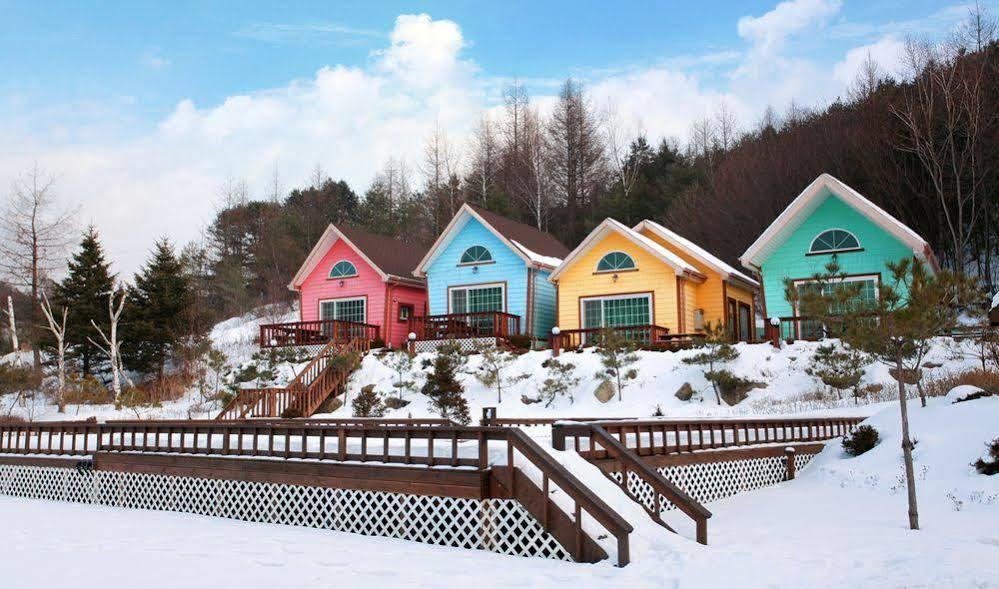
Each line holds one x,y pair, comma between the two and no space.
142,110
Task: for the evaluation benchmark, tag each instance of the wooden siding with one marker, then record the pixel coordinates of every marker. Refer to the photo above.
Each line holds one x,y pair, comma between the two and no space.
581,280
368,283
544,305
708,296
507,267
790,260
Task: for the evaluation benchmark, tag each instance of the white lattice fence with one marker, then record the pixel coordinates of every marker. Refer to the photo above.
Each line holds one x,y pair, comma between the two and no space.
496,525
466,344
711,481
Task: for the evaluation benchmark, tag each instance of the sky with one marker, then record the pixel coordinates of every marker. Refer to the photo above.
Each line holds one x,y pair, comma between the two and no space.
142,111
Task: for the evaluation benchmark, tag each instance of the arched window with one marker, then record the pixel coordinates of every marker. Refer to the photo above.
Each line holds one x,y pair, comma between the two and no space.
343,269
615,261
833,240
476,255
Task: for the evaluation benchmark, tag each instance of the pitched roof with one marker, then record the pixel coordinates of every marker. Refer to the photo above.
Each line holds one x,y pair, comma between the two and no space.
390,257
530,238
696,251
809,199
534,246
679,265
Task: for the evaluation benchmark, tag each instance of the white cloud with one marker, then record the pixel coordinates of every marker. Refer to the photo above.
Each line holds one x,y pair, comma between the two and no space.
886,52
139,184
768,32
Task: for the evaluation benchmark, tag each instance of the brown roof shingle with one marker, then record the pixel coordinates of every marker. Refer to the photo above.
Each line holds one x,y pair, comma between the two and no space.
392,256
533,239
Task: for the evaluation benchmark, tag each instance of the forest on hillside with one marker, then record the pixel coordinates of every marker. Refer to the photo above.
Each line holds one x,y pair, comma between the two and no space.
922,145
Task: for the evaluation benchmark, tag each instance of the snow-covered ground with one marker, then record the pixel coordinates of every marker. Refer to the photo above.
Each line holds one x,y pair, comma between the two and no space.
841,523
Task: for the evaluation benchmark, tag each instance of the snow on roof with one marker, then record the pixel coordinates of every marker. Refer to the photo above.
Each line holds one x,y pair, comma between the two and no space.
694,249
676,262
995,300
536,257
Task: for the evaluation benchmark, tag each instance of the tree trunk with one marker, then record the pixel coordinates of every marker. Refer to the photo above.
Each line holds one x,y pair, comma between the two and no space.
910,474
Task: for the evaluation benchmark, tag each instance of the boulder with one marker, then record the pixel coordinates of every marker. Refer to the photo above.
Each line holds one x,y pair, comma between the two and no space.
685,392
605,391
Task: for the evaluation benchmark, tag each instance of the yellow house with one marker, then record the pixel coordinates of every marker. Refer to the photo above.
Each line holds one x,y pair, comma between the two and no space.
649,279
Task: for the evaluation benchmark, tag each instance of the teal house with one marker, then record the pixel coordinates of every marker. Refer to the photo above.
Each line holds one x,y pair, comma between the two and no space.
827,219
487,275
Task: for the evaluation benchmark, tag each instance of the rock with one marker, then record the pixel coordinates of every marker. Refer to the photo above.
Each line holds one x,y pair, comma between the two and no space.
529,400
395,403
685,392
932,365
604,391
909,376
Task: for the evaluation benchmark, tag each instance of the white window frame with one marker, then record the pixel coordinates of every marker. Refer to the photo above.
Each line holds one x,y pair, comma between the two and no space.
352,265
583,300
491,260
634,266
343,300
857,278
823,232
466,287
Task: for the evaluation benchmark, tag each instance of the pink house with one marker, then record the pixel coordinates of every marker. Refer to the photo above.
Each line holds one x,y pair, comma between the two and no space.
353,275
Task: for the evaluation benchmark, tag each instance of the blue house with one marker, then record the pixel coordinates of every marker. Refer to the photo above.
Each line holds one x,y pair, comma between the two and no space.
487,276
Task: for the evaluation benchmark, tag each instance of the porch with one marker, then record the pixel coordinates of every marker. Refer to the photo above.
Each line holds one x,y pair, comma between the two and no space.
469,330
315,333
652,337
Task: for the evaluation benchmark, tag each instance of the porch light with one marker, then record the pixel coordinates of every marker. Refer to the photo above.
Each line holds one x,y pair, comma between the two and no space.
614,278
341,283
273,343
775,321
475,269
556,330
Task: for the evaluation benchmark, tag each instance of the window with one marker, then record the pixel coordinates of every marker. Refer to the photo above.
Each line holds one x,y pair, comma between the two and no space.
615,261
354,310
343,269
477,299
476,255
833,240
405,312
617,311
866,299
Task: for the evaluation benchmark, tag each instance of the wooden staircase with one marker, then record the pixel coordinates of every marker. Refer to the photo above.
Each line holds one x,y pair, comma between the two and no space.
324,377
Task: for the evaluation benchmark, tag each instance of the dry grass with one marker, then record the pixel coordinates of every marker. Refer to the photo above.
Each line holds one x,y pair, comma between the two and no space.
939,385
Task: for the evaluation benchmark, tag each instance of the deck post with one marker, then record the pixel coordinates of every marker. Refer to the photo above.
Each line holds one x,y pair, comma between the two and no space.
488,416
558,436
789,455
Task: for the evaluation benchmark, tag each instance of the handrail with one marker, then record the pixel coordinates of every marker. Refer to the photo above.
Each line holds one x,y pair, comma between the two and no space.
317,332
661,486
648,336
289,439
583,497
669,436
460,325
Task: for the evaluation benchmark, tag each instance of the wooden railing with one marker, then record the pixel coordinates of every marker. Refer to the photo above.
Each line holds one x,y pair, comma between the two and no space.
663,490
311,333
465,325
391,442
644,336
309,389
669,436
490,417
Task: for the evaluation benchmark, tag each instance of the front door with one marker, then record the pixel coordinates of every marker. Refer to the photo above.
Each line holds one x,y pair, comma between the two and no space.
479,302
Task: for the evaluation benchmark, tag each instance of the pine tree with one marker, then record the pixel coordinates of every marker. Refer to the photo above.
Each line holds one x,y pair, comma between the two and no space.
446,393
158,307
84,292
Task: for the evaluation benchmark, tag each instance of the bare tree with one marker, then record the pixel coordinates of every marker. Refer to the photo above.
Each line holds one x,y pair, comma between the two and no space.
576,155
440,168
867,80
12,326
58,331
33,240
978,30
618,138
111,346
484,164
702,138
726,125
944,116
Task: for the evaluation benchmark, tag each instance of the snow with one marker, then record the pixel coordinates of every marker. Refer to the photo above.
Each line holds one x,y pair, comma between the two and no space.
660,375
238,337
841,523
697,251
538,258
995,300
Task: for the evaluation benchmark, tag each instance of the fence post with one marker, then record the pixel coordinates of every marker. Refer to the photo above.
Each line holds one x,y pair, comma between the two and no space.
789,455
488,415
558,436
